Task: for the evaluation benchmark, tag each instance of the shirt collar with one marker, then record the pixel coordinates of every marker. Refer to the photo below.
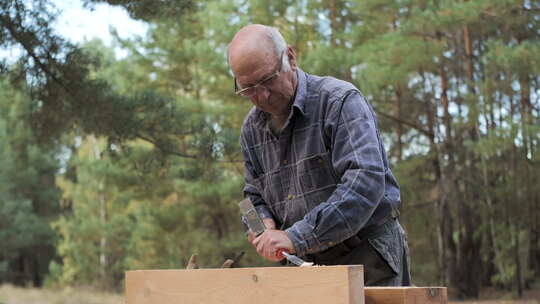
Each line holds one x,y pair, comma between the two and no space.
262,117
301,91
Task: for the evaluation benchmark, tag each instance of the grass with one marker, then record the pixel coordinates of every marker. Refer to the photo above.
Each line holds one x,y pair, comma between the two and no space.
492,296
16,295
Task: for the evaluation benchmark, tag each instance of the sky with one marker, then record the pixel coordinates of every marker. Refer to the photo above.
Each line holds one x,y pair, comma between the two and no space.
80,24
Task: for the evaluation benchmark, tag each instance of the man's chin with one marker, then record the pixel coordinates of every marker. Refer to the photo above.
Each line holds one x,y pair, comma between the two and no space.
263,108
272,105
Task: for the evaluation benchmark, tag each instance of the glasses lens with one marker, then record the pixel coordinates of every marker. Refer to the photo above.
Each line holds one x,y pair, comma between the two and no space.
263,85
248,93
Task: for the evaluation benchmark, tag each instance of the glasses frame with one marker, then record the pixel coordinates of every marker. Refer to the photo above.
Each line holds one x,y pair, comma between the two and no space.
243,92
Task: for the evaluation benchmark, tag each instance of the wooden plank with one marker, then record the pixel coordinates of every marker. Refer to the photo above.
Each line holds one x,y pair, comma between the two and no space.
268,285
406,295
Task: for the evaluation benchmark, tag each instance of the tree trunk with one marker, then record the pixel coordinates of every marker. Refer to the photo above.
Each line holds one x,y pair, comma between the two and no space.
103,260
448,184
430,108
517,260
470,239
399,125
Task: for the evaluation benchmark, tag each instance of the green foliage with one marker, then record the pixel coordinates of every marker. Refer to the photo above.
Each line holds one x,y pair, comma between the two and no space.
171,207
28,197
147,9
97,231
140,211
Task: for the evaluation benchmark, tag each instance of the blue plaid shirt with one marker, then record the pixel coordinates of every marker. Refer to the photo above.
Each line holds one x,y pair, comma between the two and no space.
325,176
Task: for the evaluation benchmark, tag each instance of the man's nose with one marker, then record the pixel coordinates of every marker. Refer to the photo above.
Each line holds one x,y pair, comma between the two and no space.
261,95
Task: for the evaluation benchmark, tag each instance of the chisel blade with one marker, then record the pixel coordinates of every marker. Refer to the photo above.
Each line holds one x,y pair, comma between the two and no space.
295,260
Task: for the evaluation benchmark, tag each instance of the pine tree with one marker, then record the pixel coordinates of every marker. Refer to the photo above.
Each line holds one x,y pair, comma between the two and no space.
28,195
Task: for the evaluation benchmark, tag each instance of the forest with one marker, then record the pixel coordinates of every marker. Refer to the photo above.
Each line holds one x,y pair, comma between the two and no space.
112,163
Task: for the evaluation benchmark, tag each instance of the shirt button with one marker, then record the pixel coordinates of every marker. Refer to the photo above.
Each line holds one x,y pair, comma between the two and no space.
290,196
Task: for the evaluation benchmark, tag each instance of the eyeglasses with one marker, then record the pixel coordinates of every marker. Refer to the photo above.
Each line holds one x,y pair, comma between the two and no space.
252,90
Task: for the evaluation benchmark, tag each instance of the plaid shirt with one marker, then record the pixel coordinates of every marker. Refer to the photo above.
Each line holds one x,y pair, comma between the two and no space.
325,176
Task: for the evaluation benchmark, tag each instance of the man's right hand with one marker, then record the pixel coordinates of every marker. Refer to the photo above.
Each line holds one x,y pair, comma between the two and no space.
268,223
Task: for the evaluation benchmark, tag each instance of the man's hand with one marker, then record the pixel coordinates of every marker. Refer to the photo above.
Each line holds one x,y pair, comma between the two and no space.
268,223
270,244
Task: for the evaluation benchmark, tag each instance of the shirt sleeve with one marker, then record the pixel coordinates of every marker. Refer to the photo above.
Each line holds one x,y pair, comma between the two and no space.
358,161
250,190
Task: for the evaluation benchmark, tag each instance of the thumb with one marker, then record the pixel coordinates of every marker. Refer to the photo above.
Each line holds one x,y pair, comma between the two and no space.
269,223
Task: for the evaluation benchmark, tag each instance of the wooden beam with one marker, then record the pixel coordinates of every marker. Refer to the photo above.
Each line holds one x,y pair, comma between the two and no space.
268,285
406,295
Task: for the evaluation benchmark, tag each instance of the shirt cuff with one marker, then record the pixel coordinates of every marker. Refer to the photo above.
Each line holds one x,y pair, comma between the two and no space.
303,240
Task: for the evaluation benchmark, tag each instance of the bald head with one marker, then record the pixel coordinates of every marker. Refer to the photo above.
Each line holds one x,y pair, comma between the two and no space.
256,45
254,56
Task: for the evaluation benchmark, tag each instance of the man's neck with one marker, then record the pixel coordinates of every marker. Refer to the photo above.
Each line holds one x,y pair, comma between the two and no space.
277,123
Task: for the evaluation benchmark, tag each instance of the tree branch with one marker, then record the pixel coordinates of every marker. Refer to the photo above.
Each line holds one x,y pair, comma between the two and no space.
17,36
407,123
153,142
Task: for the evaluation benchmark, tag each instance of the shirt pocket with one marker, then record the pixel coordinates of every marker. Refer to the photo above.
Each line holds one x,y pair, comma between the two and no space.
316,173
316,178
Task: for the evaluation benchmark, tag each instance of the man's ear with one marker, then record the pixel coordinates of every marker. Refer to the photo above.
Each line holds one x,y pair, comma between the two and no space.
291,54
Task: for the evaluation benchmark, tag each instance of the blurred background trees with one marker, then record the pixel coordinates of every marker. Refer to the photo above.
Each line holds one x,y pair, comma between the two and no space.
110,163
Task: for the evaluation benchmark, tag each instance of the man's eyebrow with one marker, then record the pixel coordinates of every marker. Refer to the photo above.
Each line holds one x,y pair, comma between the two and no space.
249,84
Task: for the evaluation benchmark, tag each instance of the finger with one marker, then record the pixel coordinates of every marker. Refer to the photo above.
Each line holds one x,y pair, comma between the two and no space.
275,259
268,252
256,240
259,243
272,249
269,223
252,242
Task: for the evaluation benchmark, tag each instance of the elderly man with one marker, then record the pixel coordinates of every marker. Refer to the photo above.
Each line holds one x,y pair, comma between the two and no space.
316,169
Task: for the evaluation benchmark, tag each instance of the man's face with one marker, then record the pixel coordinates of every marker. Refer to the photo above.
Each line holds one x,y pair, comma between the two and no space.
266,85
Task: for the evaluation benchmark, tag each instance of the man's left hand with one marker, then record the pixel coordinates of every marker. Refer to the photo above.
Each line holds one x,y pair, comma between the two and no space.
271,243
